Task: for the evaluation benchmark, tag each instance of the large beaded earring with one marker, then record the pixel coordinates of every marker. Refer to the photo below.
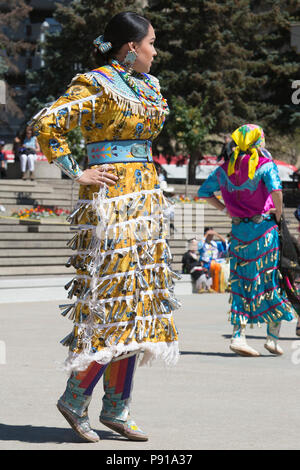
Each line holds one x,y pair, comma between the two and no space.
129,60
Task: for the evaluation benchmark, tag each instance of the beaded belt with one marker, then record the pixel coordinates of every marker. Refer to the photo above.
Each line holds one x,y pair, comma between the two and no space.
119,151
257,219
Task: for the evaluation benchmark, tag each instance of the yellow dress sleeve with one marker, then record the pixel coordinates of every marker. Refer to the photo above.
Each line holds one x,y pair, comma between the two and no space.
74,108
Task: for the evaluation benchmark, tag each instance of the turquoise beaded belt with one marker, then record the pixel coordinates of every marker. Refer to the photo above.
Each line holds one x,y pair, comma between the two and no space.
257,219
119,151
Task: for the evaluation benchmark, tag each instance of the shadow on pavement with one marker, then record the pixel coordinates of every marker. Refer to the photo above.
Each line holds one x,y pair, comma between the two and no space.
204,353
219,354
281,338
44,434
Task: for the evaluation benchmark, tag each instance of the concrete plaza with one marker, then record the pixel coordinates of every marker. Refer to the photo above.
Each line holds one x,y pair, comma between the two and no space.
212,399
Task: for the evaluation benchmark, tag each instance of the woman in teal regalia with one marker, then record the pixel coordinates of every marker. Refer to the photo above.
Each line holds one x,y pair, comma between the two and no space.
251,189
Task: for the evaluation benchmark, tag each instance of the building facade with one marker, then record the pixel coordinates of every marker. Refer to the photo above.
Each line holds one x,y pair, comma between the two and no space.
32,30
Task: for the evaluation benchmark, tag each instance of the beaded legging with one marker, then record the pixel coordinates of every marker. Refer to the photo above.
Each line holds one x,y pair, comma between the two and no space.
117,383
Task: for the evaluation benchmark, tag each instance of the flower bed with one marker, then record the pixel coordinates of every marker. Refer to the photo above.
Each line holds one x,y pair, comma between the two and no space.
40,212
182,199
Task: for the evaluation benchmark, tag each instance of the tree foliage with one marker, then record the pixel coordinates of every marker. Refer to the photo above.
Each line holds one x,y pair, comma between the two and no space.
189,127
71,51
13,14
231,58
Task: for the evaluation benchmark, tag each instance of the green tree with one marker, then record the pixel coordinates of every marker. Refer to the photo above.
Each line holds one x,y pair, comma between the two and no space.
12,47
70,51
234,53
189,128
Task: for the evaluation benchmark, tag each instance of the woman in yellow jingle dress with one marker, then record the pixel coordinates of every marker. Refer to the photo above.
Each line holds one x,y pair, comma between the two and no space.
123,285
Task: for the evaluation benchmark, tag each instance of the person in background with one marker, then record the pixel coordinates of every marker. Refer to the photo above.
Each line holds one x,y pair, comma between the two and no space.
297,280
213,254
252,194
193,266
227,149
28,148
3,162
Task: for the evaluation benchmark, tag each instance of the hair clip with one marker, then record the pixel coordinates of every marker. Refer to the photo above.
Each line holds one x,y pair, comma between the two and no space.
102,45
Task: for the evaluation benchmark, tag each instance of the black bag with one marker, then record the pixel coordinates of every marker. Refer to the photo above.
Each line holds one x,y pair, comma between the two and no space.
27,151
289,264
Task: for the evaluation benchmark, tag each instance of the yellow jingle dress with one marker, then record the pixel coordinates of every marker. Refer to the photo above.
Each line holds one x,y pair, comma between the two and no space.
123,290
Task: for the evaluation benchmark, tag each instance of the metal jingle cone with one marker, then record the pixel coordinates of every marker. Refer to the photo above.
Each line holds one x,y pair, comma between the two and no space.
100,313
67,308
163,308
73,242
109,318
171,330
156,307
86,293
121,312
152,334
69,262
103,288
156,281
151,280
174,274
110,290
174,303
73,290
118,309
108,265
123,289
116,266
72,215
68,285
131,283
143,283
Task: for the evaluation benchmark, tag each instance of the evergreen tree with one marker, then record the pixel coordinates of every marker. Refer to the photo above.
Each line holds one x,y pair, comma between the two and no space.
12,47
277,63
236,54
71,50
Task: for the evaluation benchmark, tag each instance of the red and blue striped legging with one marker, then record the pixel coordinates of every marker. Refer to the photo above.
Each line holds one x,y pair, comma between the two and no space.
117,383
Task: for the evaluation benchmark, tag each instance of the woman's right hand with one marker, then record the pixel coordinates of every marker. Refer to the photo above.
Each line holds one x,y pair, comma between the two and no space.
101,176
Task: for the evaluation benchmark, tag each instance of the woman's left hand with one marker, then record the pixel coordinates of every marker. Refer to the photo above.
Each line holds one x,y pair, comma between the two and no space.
276,212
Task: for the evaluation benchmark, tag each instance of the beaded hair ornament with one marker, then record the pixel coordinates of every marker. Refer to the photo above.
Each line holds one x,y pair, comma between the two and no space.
101,45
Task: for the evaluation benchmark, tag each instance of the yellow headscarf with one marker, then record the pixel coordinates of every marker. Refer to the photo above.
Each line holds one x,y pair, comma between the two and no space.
247,137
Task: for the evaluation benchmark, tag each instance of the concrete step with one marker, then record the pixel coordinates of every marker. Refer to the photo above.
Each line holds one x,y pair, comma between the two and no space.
6,220
35,252
6,228
12,195
27,244
35,236
34,261
35,270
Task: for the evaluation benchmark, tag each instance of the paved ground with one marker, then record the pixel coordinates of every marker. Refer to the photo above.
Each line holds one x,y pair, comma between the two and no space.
212,399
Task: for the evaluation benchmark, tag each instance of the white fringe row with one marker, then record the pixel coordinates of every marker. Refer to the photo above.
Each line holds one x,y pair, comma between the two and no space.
96,294
125,103
168,352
